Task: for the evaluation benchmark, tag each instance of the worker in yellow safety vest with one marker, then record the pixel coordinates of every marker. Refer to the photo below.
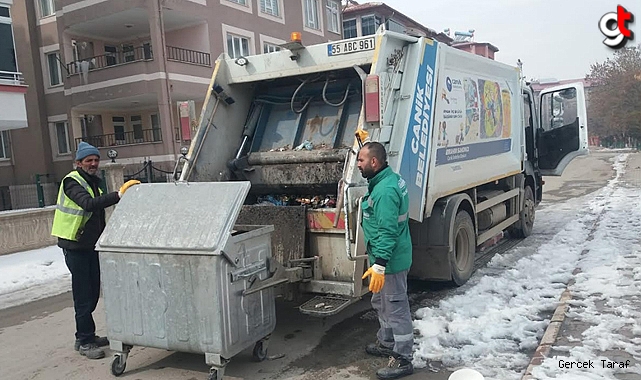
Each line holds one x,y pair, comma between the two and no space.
78,222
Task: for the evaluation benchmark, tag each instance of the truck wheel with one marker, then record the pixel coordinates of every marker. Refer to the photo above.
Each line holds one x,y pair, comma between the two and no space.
523,228
464,248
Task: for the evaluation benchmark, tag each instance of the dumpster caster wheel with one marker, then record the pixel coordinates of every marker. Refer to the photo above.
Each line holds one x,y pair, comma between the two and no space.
118,365
260,351
213,374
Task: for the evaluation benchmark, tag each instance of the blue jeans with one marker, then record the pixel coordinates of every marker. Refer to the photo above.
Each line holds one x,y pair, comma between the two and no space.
85,287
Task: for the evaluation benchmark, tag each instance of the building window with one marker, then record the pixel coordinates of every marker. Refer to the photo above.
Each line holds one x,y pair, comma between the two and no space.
111,55
349,29
394,26
128,52
237,46
310,9
4,12
332,15
7,51
241,5
155,127
369,24
119,129
136,123
46,8
62,135
270,7
53,61
5,149
270,48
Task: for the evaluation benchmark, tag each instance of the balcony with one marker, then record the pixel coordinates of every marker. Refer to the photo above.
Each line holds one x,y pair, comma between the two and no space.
12,98
193,57
137,54
126,56
106,18
142,136
11,78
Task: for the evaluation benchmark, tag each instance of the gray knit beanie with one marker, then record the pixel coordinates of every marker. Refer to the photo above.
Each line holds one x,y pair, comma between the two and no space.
86,149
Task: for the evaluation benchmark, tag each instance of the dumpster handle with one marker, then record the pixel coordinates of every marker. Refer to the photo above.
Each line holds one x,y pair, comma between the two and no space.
248,271
348,232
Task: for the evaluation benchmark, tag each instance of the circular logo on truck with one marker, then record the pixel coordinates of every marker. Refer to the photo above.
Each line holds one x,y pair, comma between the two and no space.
448,83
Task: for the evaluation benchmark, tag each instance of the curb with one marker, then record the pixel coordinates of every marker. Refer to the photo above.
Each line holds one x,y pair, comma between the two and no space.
550,335
552,331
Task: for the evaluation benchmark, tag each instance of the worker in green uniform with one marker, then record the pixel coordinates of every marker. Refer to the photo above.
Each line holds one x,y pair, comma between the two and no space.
385,226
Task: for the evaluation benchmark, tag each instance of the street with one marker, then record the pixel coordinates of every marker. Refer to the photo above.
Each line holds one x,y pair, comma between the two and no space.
36,339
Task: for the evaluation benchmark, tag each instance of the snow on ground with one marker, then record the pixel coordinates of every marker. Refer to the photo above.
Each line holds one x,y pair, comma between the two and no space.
610,279
497,321
32,275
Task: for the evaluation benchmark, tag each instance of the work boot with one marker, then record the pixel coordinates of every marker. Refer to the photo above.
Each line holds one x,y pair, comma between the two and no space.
100,341
396,367
377,349
91,351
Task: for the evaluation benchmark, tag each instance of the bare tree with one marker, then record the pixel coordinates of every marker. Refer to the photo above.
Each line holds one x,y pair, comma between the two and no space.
615,95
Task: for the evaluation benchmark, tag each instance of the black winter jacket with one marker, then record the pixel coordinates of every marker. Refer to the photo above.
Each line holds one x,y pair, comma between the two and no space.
96,224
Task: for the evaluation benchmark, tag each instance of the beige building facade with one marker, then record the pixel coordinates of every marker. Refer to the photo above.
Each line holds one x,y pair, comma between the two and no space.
131,75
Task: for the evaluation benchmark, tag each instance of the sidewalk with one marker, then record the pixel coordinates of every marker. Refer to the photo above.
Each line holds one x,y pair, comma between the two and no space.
32,275
596,330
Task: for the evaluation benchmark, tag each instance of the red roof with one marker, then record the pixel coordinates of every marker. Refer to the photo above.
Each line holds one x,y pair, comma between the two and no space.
360,7
469,43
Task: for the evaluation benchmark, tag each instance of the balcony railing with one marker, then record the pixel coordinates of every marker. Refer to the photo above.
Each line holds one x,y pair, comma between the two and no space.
127,55
12,78
123,138
188,56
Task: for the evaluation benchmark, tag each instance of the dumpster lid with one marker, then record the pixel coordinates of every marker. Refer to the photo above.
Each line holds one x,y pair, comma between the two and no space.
179,217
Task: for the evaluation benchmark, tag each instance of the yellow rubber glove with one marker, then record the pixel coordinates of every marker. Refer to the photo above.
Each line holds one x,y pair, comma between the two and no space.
127,185
361,136
378,277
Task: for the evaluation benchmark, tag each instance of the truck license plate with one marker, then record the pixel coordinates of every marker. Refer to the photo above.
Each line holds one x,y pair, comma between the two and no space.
353,46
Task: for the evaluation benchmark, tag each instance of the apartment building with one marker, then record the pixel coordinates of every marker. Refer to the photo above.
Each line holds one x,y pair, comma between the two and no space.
364,19
131,75
13,112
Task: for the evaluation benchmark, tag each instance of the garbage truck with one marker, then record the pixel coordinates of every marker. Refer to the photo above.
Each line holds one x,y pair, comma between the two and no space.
465,132
276,145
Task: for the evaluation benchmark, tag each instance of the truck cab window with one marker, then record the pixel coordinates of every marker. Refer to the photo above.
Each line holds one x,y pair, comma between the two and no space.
558,109
528,110
529,123
560,129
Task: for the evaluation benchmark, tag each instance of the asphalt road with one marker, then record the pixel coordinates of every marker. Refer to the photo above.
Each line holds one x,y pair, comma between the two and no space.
36,339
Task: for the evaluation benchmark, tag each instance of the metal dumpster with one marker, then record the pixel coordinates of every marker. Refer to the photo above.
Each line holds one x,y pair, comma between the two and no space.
174,267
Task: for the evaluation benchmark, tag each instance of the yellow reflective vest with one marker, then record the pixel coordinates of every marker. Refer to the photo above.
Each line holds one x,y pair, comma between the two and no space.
69,218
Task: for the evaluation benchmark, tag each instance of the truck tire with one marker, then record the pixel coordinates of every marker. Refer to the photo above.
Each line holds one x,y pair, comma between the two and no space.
464,248
523,228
